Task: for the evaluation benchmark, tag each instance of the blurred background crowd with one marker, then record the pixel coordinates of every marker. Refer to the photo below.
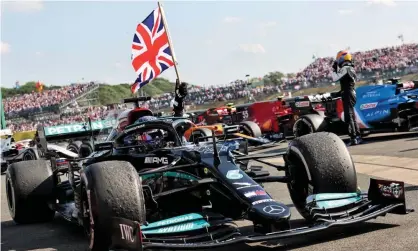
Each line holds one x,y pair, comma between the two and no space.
369,64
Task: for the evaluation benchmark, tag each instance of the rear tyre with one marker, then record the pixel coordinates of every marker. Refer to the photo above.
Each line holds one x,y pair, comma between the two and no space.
250,128
115,191
3,168
308,124
29,155
74,146
318,163
85,150
200,133
29,189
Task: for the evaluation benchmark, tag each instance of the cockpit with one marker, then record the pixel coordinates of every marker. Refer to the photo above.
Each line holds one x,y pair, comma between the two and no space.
149,136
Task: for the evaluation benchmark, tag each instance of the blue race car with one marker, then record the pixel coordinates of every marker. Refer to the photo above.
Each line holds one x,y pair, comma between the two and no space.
380,108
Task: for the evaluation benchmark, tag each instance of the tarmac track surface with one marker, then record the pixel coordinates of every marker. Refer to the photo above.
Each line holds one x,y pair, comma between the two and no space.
390,233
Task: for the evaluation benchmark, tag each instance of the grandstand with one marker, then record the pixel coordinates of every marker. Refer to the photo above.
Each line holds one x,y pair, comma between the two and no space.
73,103
24,112
89,98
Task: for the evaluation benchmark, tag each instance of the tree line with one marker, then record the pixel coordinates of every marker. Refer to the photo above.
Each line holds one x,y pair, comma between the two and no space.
114,93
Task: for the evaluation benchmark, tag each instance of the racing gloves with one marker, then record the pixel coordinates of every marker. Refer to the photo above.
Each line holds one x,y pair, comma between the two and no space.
180,95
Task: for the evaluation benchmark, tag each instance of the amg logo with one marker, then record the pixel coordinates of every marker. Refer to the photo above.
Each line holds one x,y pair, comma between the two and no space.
126,232
162,160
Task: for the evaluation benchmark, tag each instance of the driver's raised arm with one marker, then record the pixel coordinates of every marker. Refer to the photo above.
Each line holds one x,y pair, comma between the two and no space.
337,75
180,95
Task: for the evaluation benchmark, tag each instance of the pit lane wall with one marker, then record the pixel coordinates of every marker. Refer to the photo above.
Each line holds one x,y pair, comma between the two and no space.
67,129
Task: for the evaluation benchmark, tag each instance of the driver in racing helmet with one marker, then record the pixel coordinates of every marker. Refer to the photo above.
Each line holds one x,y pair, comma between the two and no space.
343,71
144,137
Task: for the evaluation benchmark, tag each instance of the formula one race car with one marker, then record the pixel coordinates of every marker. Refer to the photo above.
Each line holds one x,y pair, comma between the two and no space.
379,108
23,150
148,189
265,114
68,141
195,133
191,131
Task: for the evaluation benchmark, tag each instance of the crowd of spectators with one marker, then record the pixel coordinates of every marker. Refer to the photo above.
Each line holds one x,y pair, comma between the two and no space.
205,95
68,116
197,96
36,101
374,61
366,62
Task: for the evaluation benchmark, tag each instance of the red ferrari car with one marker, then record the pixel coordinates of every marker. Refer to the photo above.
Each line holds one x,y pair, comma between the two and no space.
267,114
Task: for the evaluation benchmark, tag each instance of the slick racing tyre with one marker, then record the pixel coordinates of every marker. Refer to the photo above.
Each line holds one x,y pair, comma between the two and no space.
307,124
250,128
199,133
318,163
110,189
74,146
29,155
29,189
3,168
85,150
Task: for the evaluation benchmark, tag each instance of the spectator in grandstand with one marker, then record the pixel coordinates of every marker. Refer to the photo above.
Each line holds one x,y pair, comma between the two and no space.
367,63
201,95
36,102
69,116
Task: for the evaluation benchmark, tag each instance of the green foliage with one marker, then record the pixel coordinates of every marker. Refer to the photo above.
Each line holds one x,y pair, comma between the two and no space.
108,94
26,88
274,78
290,75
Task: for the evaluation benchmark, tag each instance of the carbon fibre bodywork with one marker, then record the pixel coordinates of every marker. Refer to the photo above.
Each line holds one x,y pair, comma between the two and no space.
172,194
216,231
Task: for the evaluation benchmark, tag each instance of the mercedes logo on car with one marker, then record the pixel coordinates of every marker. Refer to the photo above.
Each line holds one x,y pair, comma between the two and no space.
273,209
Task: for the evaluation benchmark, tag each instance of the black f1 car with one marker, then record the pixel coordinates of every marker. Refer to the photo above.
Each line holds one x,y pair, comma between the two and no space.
148,189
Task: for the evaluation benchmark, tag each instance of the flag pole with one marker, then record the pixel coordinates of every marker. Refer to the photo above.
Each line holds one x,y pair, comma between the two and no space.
170,43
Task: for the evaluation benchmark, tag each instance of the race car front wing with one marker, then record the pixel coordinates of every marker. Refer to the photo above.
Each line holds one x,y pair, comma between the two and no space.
383,197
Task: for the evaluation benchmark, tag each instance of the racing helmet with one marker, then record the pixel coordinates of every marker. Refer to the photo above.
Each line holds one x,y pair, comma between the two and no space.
145,119
150,135
343,56
145,137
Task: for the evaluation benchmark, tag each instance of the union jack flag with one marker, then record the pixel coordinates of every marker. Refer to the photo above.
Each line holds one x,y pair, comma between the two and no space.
151,53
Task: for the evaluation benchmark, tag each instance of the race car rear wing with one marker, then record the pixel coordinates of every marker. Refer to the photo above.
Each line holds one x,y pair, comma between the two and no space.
136,100
75,130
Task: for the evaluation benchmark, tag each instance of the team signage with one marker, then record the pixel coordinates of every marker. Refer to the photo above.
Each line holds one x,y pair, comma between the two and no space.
79,127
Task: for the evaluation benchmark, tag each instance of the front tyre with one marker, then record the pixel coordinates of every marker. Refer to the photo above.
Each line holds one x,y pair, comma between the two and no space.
318,163
200,134
110,189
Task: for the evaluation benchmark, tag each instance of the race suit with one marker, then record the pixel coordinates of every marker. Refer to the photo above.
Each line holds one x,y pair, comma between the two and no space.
347,77
178,104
